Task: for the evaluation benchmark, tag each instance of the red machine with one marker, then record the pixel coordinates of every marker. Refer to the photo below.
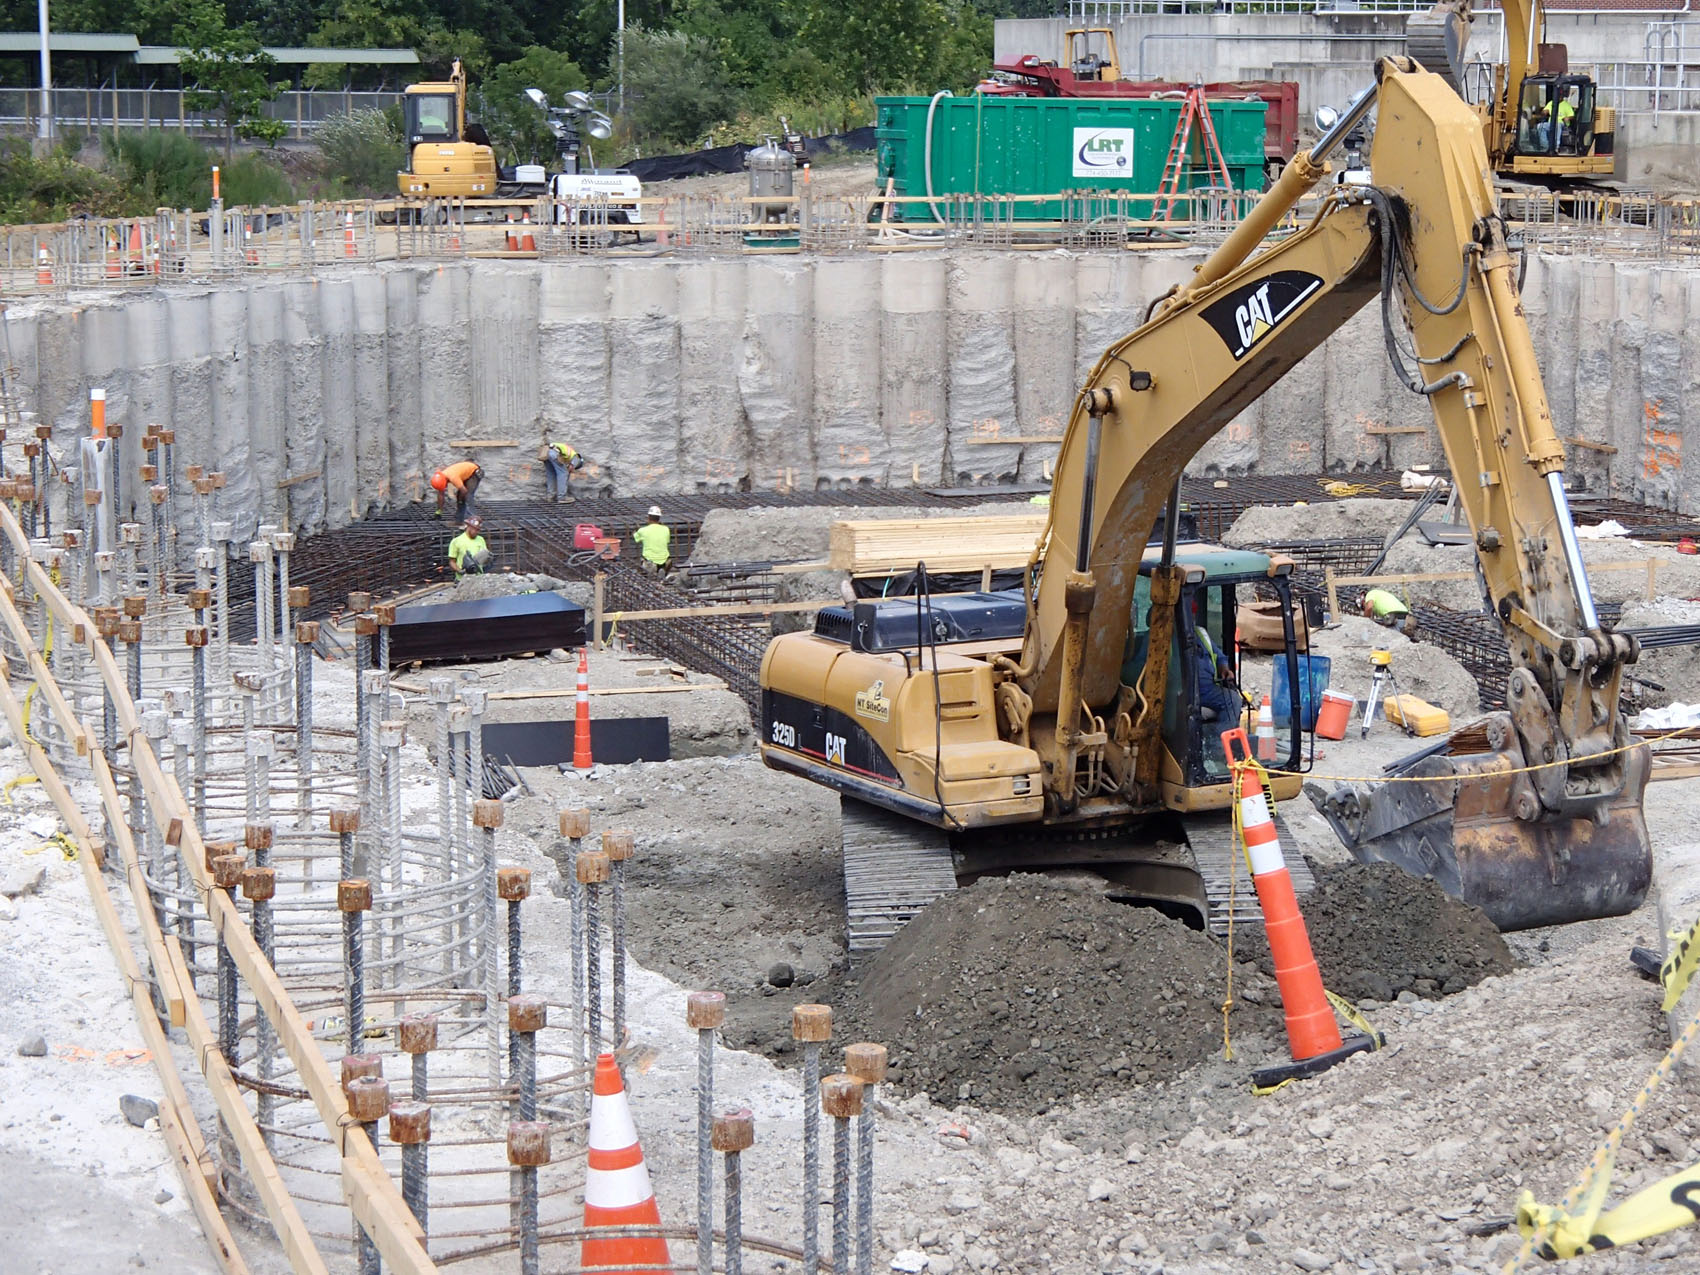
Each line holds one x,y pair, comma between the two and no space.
1090,67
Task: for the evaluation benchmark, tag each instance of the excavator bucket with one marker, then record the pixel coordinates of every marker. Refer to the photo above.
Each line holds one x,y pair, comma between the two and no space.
1436,40
1469,818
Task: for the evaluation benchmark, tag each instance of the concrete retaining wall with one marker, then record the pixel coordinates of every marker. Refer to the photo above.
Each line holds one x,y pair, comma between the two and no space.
320,400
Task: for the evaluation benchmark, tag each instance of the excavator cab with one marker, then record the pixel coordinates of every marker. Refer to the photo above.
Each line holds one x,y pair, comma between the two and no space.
447,158
1556,116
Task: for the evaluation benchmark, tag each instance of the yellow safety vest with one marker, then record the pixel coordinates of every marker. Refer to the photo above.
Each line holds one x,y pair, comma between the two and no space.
464,544
655,537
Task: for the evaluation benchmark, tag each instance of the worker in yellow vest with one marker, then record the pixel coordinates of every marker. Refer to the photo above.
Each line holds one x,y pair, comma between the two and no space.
469,551
560,461
655,538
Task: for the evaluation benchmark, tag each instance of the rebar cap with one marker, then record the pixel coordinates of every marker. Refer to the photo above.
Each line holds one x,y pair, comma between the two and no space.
136,607
195,636
368,1098
214,849
259,884
705,1011
527,1013
440,690
166,436
384,612
392,734
345,819
841,1096
592,868
486,813
513,884
299,595
354,1066
130,631
130,533
70,539
617,845
218,480
354,895
307,632
865,1061
365,626
24,490
575,823
194,473
257,836
811,1024
359,601
417,1033
410,1123
227,870
528,1143
733,1130
200,599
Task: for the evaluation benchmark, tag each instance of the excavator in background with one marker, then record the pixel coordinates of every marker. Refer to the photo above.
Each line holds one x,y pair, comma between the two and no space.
1540,122
959,747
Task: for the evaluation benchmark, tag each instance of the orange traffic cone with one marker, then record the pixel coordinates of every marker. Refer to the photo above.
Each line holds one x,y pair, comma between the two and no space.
114,267
1265,731
348,248
616,1187
1313,1037
581,719
136,263
250,254
527,241
43,267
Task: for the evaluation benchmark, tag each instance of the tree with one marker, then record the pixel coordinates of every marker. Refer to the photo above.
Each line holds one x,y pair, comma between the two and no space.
229,73
517,128
676,88
893,44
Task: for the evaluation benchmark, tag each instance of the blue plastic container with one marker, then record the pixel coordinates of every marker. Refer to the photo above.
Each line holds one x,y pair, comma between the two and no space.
1313,680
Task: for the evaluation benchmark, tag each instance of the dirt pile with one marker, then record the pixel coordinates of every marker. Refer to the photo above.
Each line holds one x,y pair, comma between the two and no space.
1378,931
1020,992
1340,519
1677,575
1422,669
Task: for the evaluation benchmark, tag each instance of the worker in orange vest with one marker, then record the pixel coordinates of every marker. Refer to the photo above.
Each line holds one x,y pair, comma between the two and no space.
464,476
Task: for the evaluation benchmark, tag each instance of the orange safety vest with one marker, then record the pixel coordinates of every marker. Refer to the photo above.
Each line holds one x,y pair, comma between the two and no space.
460,471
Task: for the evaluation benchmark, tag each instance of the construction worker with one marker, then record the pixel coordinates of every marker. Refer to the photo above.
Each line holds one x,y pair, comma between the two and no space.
469,551
560,460
464,476
654,537
1215,677
1388,611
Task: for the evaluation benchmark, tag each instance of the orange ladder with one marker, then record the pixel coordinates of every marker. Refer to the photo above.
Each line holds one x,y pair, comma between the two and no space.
1194,111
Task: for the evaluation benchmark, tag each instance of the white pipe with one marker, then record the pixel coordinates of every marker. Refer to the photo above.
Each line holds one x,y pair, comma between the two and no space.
46,126
926,151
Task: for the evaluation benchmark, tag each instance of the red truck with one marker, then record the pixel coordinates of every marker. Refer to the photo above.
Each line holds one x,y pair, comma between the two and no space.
1090,67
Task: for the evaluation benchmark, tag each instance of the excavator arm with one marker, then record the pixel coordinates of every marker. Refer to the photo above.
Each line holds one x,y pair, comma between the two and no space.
1548,793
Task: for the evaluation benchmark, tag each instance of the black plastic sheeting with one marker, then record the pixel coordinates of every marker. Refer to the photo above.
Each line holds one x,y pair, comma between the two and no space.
490,629
730,159
614,741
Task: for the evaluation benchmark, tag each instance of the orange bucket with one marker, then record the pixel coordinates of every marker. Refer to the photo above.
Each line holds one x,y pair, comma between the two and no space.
1333,716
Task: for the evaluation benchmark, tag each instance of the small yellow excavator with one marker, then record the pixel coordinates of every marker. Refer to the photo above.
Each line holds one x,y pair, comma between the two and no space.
446,158
1043,727
1540,121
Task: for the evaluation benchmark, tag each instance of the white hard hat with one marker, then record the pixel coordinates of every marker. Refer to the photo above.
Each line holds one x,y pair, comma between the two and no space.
655,511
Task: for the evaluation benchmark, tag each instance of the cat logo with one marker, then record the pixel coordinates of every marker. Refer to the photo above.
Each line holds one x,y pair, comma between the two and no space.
1248,314
873,703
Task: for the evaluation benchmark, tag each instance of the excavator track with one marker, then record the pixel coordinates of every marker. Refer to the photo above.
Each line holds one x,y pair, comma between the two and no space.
1227,879
893,867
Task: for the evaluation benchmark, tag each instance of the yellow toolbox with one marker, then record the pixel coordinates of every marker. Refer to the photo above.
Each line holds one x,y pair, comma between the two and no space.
1424,717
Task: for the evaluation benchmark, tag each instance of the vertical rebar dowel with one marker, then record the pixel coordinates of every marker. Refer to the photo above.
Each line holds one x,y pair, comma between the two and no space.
259,884
410,1128
221,574
474,699
527,1015
617,845
865,1061
528,1149
811,1027
306,634
260,554
368,1103
353,896
227,873
393,734
384,612
593,874
154,725
459,849
283,544
182,741
417,1036
574,824
197,640
734,1133
374,692
251,797
513,885
841,1098
487,815
705,1012
441,692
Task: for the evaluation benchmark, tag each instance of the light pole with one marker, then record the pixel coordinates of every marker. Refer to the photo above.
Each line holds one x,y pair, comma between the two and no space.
619,48
46,127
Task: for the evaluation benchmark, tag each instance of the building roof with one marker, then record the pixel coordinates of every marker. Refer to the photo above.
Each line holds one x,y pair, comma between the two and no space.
119,44
67,42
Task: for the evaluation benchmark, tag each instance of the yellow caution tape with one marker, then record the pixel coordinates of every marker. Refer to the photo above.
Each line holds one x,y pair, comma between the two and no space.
1343,490
67,848
10,784
1577,1226
1678,968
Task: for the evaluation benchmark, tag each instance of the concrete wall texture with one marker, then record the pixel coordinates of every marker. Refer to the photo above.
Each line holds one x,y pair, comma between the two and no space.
321,399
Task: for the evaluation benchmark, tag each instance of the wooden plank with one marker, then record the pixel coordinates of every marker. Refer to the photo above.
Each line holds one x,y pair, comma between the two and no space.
195,1166
894,544
1013,438
371,1195
487,442
1395,429
298,479
1604,449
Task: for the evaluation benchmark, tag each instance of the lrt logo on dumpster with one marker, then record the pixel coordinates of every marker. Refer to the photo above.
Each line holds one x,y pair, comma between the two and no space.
1103,152
1252,311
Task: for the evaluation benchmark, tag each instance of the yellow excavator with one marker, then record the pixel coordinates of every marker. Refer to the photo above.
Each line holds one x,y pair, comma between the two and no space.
1540,121
1038,728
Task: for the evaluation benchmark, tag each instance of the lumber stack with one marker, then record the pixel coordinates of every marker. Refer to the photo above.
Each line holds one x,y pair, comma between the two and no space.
876,546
